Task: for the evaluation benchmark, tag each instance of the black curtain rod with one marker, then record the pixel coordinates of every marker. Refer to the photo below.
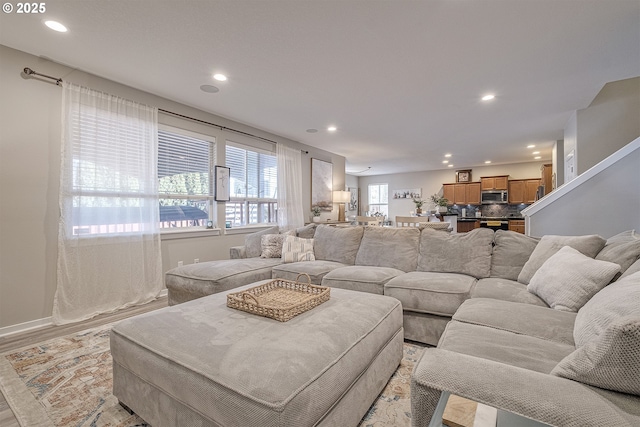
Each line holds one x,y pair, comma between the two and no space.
29,72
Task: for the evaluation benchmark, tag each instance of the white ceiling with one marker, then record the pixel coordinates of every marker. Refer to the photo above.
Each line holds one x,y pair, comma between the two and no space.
401,80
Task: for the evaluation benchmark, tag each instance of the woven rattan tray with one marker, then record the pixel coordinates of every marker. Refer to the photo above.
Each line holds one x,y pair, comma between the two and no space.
279,299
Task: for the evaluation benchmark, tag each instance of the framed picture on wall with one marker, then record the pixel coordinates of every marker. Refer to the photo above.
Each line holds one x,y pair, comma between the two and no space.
321,184
463,175
222,174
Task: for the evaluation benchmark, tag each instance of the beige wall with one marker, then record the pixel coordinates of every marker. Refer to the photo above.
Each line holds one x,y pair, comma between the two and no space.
610,122
431,182
29,181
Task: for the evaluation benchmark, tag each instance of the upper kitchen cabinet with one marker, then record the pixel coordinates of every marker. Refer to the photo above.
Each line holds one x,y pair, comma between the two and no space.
473,193
462,194
523,190
494,182
547,178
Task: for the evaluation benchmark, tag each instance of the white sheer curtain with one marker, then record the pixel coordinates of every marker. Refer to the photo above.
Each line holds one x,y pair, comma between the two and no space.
108,239
290,212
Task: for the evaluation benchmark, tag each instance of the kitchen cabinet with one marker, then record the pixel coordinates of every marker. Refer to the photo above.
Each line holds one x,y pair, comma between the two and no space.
466,226
462,194
547,178
530,190
448,193
494,182
516,191
473,193
523,190
516,225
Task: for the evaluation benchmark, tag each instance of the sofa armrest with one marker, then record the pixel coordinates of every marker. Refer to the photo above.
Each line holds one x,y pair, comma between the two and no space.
237,252
541,397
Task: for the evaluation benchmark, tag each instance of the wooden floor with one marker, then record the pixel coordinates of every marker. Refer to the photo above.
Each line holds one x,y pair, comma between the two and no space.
20,340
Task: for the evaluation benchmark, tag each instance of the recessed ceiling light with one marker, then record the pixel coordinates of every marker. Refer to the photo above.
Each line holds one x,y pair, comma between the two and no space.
312,130
450,166
332,128
488,97
209,89
447,155
536,152
445,161
56,26
487,161
220,77
531,146
537,157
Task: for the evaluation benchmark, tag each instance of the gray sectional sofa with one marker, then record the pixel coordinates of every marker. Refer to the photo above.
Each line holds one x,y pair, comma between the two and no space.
487,300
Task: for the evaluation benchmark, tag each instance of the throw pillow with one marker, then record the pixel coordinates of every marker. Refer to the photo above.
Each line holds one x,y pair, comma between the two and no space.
511,251
296,249
619,299
338,244
253,242
272,245
568,279
307,231
623,249
610,361
465,253
550,244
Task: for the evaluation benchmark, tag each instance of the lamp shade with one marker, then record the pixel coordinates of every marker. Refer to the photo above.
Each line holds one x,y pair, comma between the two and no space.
341,196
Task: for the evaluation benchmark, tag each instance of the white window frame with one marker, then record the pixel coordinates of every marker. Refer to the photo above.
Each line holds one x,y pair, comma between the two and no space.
209,198
371,204
246,203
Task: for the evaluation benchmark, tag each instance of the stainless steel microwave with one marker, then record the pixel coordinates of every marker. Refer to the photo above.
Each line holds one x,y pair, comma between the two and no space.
494,196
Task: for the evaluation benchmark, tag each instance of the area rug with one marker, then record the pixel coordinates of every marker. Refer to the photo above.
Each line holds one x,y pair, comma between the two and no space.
67,381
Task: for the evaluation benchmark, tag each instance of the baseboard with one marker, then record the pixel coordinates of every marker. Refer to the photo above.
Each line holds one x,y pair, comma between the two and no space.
40,323
26,326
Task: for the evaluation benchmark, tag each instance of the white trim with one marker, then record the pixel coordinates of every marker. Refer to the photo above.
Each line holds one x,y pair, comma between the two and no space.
41,323
189,233
248,229
580,179
26,326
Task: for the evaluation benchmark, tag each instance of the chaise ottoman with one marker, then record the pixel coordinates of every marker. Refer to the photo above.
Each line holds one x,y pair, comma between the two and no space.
201,363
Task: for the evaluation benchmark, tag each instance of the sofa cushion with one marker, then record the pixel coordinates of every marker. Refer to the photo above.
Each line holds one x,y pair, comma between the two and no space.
568,279
633,269
550,244
623,249
389,247
272,245
505,290
525,319
297,249
434,293
607,335
361,278
621,298
502,346
339,244
205,278
253,242
315,269
464,253
511,251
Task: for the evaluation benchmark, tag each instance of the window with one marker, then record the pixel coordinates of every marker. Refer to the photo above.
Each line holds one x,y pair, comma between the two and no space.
254,178
379,199
185,162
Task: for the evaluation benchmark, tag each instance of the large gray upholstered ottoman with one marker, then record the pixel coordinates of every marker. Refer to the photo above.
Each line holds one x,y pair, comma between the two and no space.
201,363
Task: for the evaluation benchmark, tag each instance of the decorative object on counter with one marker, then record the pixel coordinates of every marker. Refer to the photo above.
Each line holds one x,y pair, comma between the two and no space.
419,202
463,175
315,212
412,193
441,202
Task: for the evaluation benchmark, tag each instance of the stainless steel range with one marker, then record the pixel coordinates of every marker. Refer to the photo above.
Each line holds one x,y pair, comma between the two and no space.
494,223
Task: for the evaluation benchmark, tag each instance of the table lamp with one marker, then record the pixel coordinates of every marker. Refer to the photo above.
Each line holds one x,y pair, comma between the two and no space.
341,198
